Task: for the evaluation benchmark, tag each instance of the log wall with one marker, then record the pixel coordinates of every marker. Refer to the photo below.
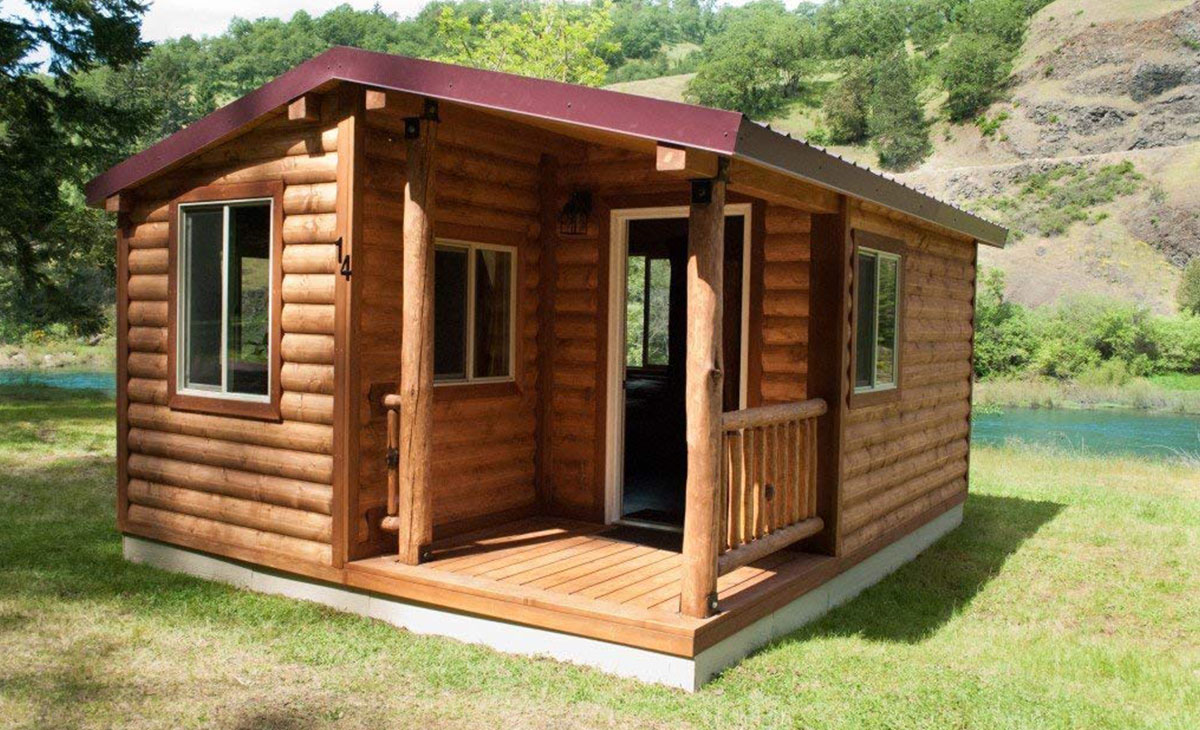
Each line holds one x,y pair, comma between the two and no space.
486,191
905,458
782,342
260,491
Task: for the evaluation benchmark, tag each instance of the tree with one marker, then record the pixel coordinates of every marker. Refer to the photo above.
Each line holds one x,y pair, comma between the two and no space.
1188,293
556,41
972,69
54,134
1004,338
755,61
897,123
846,103
863,28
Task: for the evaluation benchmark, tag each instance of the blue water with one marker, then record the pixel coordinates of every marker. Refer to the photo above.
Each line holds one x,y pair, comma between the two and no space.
71,379
1098,431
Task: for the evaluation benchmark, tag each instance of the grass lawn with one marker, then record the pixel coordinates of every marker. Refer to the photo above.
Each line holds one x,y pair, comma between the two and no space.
1069,598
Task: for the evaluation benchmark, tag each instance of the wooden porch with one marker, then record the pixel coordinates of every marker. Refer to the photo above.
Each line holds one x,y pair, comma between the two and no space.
606,582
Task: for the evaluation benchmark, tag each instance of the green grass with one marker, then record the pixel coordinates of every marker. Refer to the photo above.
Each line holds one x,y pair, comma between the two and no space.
1068,599
1177,393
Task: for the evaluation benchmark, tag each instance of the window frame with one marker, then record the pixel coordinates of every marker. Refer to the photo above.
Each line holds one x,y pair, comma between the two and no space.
469,378
884,248
201,400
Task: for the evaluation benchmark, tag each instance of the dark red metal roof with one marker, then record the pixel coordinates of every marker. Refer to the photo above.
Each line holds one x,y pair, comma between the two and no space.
723,132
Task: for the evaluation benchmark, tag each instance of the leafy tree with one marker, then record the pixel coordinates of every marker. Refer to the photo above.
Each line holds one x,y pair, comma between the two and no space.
1004,337
846,103
557,41
54,133
897,123
640,28
1188,293
863,28
755,61
972,69
1002,20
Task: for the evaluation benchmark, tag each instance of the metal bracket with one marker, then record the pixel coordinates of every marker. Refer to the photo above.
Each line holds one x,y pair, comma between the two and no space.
702,192
412,127
430,111
393,458
712,602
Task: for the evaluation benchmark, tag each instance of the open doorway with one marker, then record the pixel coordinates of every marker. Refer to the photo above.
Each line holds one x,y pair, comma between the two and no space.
648,445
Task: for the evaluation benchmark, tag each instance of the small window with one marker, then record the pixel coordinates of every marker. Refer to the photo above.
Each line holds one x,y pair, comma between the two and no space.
225,299
876,344
473,312
648,312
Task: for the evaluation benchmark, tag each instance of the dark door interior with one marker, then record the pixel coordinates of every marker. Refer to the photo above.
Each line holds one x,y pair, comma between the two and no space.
655,467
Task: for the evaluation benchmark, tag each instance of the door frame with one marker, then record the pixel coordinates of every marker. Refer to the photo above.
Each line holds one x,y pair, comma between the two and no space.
614,437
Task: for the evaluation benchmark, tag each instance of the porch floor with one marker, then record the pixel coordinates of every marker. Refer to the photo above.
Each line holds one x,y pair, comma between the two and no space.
581,578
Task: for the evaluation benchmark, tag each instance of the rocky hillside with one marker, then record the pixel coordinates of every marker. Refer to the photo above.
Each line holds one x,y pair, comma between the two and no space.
1098,84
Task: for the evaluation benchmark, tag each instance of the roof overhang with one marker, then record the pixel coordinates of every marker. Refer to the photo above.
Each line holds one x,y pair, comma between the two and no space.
723,132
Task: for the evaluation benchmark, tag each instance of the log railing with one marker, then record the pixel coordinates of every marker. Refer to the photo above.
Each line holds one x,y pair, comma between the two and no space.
768,494
391,521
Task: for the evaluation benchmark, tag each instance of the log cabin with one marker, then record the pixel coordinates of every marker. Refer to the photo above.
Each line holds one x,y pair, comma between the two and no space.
560,370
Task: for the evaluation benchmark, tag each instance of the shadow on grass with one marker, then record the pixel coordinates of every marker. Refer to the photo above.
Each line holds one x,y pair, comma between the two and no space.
914,602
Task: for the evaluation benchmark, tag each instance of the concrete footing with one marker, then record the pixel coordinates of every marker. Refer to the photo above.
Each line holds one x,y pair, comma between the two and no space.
625,661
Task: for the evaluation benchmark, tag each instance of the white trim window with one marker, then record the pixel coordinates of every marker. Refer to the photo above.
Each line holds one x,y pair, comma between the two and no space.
474,312
224,299
877,331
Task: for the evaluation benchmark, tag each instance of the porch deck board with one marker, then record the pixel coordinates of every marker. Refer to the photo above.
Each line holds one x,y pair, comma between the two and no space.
570,576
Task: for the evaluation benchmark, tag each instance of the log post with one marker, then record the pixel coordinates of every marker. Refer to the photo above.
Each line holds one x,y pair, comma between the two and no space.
704,387
415,503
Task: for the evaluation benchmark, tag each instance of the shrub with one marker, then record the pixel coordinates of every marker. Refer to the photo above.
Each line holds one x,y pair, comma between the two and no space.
1004,335
1188,293
972,69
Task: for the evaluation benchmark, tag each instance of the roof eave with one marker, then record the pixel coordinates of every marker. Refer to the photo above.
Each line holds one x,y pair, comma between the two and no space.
768,148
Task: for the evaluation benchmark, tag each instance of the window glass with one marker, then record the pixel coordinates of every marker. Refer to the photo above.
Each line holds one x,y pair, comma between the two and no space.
493,313
203,231
635,310
225,298
472,312
864,350
450,312
658,312
885,336
249,320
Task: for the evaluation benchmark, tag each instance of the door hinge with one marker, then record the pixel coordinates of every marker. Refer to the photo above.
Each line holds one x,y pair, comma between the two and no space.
393,458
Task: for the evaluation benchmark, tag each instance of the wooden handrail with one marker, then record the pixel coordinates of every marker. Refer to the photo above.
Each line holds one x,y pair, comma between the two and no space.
391,521
768,497
766,415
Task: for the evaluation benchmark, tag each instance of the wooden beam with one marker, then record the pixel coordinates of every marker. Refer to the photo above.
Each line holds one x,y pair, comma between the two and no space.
684,162
119,203
306,108
775,187
375,99
415,503
704,385
828,362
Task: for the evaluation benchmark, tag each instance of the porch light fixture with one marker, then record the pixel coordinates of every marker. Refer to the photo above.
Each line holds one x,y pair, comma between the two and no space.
573,220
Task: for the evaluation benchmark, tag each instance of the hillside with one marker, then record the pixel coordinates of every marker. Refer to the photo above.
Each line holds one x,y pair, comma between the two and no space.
1098,83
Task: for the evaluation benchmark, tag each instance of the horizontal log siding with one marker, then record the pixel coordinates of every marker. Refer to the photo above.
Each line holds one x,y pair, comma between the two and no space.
485,192
783,342
905,457
216,481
